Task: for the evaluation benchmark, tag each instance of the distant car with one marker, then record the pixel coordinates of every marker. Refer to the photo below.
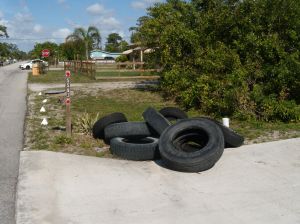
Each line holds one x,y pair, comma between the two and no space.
1,63
28,65
109,58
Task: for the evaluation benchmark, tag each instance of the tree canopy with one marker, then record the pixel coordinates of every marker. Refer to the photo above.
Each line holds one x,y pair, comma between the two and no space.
3,31
91,38
115,43
38,47
11,51
228,57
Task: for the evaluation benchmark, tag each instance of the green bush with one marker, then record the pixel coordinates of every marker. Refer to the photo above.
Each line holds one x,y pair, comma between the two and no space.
228,58
122,58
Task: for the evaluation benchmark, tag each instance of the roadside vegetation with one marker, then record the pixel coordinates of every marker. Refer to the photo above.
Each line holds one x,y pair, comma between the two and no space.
59,76
90,104
228,58
236,59
9,51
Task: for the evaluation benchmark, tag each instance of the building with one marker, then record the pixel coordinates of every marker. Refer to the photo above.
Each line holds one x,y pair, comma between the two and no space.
103,55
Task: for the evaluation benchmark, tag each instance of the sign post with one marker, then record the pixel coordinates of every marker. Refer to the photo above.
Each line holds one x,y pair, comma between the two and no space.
68,104
45,53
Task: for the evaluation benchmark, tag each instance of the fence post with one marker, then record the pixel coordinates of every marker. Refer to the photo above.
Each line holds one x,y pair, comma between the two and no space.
68,104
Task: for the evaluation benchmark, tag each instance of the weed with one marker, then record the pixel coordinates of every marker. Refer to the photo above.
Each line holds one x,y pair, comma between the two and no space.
84,123
62,139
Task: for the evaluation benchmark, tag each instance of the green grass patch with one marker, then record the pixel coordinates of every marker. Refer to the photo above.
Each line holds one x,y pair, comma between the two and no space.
128,101
86,106
133,102
59,77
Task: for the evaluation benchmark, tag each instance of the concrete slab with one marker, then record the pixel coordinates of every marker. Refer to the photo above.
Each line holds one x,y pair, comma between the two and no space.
251,184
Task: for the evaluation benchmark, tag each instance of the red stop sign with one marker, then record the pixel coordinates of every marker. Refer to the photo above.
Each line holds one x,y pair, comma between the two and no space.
68,101
45,53
68,74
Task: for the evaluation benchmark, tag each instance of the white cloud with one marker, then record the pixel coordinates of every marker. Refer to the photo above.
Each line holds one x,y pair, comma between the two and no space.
4,22
138,5
107,25
24,31
95,9
61,33
37,28
143,4
24,18
1,14
110,21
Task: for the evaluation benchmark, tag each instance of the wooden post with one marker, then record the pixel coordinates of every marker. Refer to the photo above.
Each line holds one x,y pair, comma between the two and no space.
142,56
68,104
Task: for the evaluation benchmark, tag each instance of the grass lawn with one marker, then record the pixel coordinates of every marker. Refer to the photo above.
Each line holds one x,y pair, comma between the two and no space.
132,102
59,76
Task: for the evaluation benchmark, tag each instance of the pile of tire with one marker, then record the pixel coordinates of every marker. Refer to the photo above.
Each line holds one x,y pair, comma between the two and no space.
182,143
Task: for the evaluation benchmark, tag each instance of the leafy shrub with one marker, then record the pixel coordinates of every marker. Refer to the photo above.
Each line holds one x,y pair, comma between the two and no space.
85,122
122,58
228,58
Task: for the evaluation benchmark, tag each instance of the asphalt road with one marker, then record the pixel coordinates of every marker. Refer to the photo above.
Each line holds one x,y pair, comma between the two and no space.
13,89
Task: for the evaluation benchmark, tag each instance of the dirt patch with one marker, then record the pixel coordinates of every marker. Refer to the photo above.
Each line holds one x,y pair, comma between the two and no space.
273,136
53,137
38,87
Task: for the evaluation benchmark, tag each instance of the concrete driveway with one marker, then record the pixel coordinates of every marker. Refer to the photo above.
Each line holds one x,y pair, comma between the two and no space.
13,89
251,184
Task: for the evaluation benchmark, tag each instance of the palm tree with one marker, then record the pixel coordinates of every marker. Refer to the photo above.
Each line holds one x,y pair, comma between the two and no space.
91,36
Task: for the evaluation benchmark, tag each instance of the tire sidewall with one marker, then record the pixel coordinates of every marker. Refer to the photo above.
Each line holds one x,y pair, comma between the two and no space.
215,144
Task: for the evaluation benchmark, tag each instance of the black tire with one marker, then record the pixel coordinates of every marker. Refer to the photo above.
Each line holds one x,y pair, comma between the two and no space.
138,150
128,130
200,158
190,142
101,124
156,120
232,139
27,67
173,113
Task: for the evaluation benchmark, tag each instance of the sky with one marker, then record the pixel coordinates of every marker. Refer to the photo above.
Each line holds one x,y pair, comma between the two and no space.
32,21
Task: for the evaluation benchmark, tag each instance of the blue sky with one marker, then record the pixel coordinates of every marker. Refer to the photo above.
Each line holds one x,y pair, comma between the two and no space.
31,21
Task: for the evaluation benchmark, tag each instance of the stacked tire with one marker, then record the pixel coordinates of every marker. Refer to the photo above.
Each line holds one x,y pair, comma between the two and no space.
188,145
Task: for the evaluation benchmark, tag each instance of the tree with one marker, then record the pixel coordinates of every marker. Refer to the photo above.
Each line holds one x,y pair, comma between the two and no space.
3,31
228,57
36,52
72,48
135,34
11,51
91,38
115,43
